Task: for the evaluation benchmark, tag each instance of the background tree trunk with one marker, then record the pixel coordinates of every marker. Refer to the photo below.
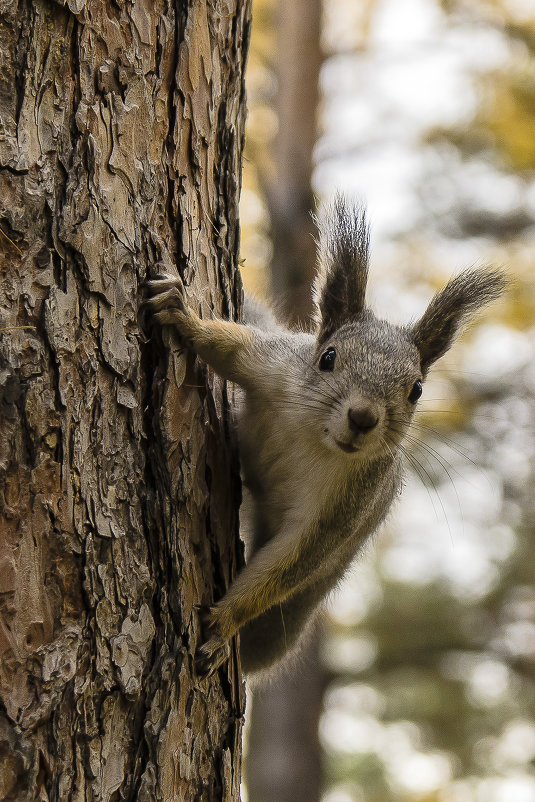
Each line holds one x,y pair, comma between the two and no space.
121,128
290,198
284,754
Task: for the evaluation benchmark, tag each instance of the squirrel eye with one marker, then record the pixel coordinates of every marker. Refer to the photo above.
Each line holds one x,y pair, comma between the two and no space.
327,360
416,392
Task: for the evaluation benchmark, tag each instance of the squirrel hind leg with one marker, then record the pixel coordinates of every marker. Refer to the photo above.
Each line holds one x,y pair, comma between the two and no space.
276,634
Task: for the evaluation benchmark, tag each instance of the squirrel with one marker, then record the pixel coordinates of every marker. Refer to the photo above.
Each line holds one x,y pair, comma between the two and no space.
320,427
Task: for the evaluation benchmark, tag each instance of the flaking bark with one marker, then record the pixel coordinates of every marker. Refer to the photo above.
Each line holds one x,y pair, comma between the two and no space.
121,128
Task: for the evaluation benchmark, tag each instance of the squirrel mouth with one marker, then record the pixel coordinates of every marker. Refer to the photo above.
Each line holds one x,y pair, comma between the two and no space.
349,448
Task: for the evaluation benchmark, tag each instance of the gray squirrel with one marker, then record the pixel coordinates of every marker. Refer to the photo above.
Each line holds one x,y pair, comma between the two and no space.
320,425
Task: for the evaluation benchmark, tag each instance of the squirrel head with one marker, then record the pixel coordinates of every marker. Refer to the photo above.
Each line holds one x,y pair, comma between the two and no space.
369,371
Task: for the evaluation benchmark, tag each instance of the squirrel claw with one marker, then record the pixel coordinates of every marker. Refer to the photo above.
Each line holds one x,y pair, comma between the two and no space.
164,281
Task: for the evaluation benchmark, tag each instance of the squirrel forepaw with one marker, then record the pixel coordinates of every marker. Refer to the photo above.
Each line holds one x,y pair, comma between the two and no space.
166,298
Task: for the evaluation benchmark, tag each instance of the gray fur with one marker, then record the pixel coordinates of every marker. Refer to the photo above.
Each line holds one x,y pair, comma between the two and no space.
320,476
343,259
463,296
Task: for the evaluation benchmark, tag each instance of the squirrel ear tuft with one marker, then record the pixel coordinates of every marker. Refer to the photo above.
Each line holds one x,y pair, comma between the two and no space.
340,284
452,308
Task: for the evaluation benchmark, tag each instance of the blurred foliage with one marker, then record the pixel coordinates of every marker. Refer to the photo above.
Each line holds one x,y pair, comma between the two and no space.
432,646
509,115
505,116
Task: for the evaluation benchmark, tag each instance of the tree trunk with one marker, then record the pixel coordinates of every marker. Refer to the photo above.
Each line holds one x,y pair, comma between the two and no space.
121,128
284,754
290,198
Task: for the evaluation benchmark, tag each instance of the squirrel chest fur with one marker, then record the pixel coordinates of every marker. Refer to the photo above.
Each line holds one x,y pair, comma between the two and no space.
321,430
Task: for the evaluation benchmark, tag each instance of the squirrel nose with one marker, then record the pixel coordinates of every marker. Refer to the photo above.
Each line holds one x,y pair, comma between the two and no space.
362,420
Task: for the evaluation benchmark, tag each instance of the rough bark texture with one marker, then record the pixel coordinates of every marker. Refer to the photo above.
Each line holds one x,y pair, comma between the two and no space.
284,756
121,129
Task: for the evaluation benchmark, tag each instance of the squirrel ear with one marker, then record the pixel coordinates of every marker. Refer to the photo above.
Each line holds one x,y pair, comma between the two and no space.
340,283
452,308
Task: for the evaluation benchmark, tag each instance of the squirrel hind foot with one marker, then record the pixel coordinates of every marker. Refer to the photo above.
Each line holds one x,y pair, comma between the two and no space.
214,650
210,656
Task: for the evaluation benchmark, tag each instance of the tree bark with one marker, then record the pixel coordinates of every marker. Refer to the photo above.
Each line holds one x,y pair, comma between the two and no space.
121,132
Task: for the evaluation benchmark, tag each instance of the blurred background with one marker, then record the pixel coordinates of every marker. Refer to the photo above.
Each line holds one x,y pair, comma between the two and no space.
419,686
